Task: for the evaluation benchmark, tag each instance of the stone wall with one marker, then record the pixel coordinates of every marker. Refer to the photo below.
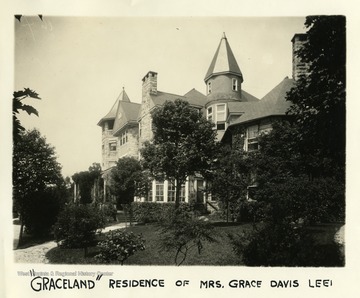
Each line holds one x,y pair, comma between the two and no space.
299,68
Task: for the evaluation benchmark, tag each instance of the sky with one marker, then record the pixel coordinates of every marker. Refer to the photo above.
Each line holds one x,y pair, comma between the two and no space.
79,65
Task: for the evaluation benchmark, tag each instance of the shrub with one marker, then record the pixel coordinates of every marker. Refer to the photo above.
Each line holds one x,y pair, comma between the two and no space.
147,212
77,226
109,211
119,246
284,245
42,209
181,231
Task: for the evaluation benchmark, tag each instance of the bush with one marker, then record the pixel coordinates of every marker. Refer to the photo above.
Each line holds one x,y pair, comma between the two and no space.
149,212
77,225
109,211
181,231
119,246
284,245
41,211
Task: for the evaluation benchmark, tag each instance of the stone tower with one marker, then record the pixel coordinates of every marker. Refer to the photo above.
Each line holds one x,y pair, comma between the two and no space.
223,78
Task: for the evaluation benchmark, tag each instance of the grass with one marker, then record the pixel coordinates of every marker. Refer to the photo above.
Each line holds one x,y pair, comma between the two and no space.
217,253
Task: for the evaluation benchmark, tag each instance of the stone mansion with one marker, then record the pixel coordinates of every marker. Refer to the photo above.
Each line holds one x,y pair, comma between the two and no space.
128,125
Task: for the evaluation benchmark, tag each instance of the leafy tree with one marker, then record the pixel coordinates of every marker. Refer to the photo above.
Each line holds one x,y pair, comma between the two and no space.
35,172
319,97
89,183
183,144
230,179
127,180
18,106
284,184
124,179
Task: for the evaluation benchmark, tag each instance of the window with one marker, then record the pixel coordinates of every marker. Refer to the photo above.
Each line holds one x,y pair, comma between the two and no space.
182,193
252,138
220,112
220,126
235,85
123,138
159,191
112,146
149,196
217,114
208,87
171,191
111,124
209,114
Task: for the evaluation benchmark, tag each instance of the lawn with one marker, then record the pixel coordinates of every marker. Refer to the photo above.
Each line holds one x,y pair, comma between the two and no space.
217,253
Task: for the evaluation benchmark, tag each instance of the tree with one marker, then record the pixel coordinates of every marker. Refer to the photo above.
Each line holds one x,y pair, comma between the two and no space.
18,106
35,172
182,231
183,144
230,179
124,179
319,97
89,183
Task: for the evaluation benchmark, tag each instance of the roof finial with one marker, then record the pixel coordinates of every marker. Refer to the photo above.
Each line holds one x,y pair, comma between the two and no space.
123,88
224,36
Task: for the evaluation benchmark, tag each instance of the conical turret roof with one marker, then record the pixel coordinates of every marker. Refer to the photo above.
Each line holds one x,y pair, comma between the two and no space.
123,97
224,61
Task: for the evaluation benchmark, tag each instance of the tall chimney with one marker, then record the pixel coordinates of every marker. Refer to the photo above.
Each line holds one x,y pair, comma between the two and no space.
299,68
149,85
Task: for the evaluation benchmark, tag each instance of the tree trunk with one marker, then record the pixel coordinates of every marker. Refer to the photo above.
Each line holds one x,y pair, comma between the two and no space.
177,193
227,210
21,234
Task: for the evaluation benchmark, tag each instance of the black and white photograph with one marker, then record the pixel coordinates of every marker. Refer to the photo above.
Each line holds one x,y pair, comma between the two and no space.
142,145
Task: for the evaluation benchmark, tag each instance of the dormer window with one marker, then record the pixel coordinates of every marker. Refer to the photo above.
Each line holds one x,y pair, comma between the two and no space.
208,87
235,85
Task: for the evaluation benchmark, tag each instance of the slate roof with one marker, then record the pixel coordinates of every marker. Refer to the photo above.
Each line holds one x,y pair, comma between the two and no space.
127,113
194,97
272,104
123,97
224,61
111,115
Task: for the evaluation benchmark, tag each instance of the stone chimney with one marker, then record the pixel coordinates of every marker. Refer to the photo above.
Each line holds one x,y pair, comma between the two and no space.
299,68
149,85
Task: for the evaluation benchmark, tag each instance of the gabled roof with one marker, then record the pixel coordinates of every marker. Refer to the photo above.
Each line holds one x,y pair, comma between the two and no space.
194,97
127,113
123,97
224,61
273,103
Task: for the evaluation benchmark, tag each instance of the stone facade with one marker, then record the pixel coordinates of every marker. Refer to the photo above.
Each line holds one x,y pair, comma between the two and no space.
299,68
239,117
149,88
